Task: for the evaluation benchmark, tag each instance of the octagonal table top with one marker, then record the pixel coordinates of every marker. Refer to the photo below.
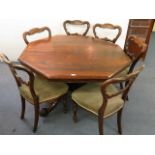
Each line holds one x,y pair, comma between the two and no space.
74,58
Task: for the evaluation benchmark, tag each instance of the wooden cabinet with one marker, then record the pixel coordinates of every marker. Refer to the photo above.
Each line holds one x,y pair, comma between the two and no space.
141,28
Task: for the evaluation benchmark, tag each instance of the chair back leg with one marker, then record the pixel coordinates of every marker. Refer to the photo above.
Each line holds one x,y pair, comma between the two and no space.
22,108
36,116
119,118
101,124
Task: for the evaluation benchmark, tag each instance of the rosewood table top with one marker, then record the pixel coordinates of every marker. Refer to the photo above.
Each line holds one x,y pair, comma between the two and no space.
74,58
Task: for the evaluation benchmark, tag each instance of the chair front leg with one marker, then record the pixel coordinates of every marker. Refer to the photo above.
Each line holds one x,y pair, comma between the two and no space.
36,116
119,118
22,108
101,124
75,107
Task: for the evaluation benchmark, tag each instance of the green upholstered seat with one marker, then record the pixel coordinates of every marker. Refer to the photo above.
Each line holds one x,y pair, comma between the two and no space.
44,89
90,98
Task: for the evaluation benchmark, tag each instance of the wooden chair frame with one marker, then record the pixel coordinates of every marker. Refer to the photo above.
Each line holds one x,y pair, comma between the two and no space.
128,80
107,26
76,22
30,84
136,51
34,31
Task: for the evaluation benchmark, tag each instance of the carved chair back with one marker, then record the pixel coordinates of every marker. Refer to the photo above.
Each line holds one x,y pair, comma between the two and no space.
107,26
127,80
34,31
19,80
76,23
135,50
135,47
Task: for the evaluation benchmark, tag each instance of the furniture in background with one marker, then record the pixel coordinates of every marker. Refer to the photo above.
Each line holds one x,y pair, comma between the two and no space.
76,23
36,90
34,31
104,99
107,26
141,28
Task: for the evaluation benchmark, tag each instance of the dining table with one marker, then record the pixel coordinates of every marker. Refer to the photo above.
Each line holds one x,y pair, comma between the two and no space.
74,59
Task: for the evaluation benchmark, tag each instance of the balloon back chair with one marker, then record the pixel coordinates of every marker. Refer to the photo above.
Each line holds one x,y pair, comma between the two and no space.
36,90
34,31
109,27
78,23
104,99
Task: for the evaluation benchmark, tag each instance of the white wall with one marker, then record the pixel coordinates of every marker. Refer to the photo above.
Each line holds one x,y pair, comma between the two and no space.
18,16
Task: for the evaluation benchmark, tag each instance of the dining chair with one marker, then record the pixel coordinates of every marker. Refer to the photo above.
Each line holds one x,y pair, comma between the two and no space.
104,99
76,23
36,90
45,111
34,31
107,26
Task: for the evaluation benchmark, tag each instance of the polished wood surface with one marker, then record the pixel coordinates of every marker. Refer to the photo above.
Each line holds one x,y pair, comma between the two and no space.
74,58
